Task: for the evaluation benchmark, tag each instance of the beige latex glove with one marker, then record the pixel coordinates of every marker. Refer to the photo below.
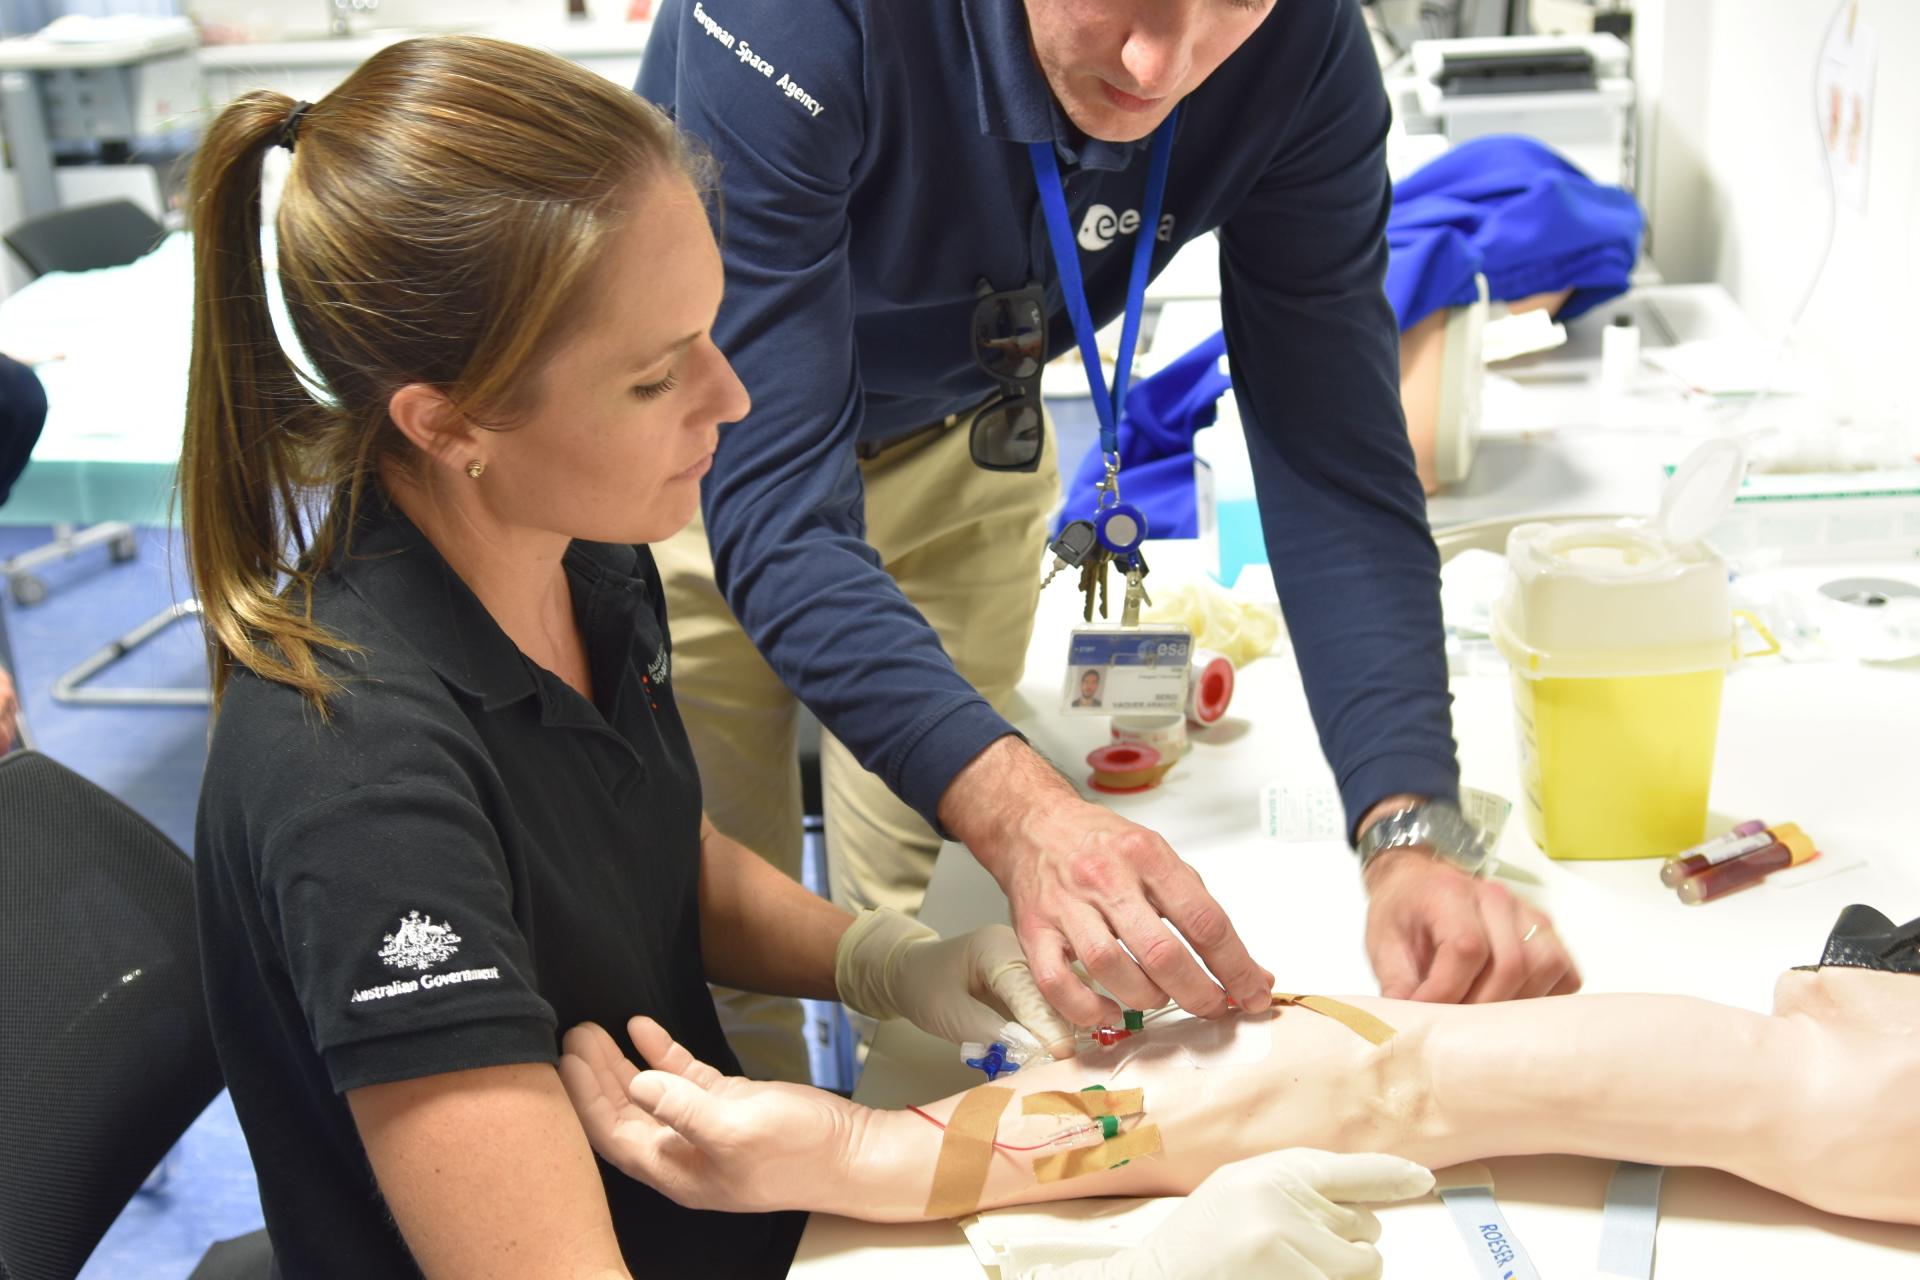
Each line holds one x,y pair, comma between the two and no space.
1282,1216
961,988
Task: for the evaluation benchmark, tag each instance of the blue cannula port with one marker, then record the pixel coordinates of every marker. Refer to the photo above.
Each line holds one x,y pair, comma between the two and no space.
994,1062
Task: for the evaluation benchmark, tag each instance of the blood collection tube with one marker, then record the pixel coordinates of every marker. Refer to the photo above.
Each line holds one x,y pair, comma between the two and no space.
1742,840
1790,850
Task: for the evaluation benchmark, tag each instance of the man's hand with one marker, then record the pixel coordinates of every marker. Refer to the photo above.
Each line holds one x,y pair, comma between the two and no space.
1436,933
9,708
1082,881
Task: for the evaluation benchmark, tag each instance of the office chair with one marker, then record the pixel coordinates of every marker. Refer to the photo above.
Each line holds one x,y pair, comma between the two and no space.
83,238
105,1053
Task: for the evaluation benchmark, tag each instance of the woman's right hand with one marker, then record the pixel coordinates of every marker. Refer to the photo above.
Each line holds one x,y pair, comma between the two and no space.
707,1140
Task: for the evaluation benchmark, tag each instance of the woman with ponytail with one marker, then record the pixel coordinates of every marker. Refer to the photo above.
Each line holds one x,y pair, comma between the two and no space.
449,808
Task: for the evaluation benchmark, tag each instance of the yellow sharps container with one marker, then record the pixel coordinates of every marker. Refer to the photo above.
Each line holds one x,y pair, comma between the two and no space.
1619,635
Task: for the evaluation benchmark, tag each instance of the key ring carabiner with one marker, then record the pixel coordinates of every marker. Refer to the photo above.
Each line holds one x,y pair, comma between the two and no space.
1107,492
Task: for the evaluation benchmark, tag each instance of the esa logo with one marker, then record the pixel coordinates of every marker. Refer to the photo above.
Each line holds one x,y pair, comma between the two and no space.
1102,226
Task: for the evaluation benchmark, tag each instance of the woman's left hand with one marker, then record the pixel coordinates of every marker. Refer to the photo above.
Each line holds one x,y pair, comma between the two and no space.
707,1140
961,988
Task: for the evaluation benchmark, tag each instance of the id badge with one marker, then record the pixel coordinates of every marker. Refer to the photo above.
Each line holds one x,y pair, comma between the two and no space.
1127,672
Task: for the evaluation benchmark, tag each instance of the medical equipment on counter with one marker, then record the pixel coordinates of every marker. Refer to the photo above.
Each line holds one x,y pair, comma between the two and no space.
1620,355
1744,838
111,83
1790,850
1573,93
1619,635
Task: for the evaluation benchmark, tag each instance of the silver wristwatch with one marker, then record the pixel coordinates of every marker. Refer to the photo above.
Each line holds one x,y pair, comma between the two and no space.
1437,826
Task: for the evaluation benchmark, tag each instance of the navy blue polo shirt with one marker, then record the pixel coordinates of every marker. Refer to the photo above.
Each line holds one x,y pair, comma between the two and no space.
467,859
874,166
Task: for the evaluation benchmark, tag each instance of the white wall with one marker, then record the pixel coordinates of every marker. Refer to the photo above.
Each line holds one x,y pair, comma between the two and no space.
1733,171
273,19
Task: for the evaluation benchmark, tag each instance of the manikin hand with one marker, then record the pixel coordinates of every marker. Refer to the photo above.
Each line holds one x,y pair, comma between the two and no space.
1284,1215
703,1139
1436,933
961,988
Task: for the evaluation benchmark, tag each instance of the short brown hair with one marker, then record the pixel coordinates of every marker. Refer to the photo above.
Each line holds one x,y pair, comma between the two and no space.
442,217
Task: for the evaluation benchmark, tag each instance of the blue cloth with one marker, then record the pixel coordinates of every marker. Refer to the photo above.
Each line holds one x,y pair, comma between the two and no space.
874,170
1506,206
1156,443
1516,210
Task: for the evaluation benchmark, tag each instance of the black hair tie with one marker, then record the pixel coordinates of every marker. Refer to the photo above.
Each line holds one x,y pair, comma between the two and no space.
290,127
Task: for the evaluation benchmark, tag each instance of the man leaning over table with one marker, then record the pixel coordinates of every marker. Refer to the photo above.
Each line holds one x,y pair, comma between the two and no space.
877,181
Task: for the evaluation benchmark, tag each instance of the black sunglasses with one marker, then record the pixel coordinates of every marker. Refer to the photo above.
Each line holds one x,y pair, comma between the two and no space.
1010,345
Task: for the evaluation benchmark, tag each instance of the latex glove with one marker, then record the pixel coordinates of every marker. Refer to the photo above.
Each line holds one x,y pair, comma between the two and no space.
961,988
1285,1215
1436,933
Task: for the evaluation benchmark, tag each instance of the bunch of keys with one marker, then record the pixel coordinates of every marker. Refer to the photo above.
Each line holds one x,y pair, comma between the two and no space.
1092,546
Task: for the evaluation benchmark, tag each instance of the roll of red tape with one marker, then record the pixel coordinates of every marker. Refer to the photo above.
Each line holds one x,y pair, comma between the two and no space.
1210,687
1121,767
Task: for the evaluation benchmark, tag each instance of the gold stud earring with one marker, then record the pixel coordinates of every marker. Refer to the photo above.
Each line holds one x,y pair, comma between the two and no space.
476,468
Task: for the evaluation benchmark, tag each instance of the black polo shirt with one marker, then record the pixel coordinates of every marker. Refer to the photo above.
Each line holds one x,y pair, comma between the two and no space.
468,859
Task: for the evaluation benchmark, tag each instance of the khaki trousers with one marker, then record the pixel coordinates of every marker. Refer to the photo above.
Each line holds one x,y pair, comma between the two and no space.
964,546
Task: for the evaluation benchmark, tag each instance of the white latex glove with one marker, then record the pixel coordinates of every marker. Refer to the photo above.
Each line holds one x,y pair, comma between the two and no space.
961,988
1281,1216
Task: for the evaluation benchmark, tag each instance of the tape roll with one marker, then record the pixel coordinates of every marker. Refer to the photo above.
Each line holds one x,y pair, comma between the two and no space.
1165,734
1209,688
1123,767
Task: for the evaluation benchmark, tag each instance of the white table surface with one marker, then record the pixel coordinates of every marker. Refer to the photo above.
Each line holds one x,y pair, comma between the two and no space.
1827,745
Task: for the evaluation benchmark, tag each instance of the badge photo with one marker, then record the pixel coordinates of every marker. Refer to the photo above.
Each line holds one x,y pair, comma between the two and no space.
1127,671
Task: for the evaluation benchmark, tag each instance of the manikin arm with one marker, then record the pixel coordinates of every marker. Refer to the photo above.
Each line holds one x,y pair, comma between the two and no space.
1582,1075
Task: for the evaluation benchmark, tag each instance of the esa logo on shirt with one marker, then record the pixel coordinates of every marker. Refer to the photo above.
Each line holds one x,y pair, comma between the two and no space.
419,944
1102,226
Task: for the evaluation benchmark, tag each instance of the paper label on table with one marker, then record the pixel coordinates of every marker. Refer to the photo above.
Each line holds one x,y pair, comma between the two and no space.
1127,671
1295,815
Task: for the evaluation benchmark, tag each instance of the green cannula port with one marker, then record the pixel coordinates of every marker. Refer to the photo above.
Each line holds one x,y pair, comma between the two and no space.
1109,1127
1134,1022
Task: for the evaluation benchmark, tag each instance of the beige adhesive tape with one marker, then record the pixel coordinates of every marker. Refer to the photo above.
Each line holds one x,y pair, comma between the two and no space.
1453,1178
1358,1021
1089,1102
1144,1141
966,1152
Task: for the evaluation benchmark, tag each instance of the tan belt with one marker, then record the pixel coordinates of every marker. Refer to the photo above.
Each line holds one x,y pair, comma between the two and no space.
868,450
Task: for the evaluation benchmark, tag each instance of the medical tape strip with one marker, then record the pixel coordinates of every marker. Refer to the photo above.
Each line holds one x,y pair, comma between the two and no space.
1358,1021
1467,1191
1630,1221
1100,1102
966,1152
1144,1141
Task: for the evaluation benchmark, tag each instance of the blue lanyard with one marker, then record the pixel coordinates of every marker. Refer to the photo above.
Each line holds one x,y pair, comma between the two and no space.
1073,291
